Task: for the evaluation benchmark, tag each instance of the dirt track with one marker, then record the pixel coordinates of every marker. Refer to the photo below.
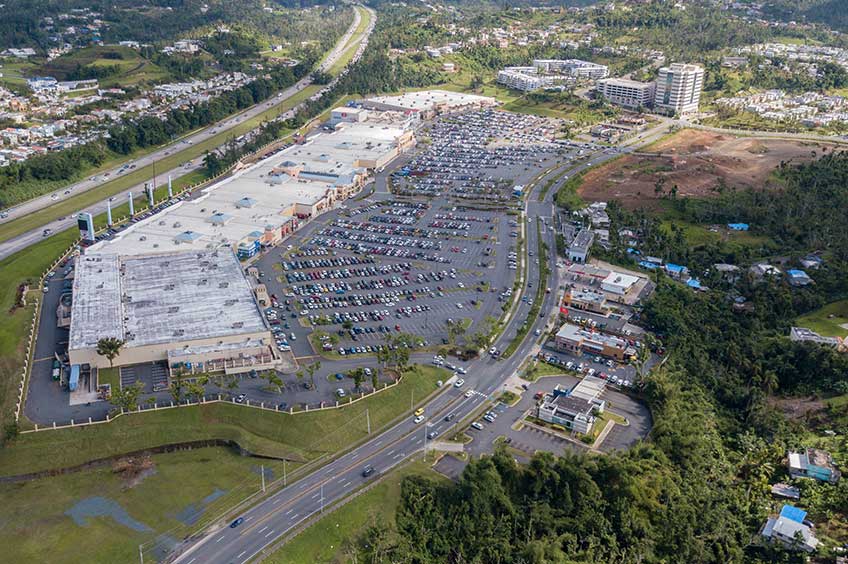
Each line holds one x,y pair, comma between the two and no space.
698,163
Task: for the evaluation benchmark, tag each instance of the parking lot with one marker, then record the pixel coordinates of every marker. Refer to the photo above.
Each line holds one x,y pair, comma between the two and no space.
389,267
482,156
529,440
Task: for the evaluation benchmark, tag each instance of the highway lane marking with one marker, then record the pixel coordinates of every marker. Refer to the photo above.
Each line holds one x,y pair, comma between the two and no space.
316,495
346,484
439,412
289,511
241,554
278,500
266,536
418,442
262,529
220,538
192,560
295,516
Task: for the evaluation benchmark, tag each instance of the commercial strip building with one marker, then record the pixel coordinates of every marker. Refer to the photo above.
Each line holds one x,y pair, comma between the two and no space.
574,409
585,300
577,340
679,89
262,203
194,307
429,103
629,94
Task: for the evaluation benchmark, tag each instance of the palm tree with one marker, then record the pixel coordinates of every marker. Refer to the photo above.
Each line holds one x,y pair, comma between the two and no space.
109,348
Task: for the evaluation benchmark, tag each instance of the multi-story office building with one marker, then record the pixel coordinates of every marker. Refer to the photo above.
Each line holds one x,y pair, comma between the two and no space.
679,89
628,93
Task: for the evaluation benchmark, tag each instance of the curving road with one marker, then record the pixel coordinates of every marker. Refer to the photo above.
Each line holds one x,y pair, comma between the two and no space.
31,237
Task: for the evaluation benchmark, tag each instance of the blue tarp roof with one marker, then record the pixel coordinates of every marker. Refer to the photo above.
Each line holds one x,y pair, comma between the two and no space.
797,274
674,267
738,226
693,283
793,513
648,265
632,251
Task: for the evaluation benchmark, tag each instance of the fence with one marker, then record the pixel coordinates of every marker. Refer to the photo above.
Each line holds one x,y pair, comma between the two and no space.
204,400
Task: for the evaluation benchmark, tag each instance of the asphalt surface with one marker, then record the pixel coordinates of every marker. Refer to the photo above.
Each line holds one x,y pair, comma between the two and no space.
31,237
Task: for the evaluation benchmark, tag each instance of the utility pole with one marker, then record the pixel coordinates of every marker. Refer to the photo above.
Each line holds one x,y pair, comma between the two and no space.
322,497
284,472
411,399
368,420
140,554
262,471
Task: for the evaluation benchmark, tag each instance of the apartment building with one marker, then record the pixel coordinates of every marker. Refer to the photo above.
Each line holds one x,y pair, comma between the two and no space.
679,88
524,79
571,67
627,93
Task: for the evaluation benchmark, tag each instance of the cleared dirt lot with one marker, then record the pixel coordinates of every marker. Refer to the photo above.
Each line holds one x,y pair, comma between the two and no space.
697,162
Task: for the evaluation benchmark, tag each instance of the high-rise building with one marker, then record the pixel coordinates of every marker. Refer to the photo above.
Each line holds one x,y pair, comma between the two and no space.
627,93
679,88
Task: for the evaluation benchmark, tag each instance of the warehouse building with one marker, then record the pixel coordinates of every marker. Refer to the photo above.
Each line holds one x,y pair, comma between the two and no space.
184,307
629,94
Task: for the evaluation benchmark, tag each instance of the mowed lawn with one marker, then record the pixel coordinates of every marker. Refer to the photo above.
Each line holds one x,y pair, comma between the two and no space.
828,320
177,489
300,437
331,538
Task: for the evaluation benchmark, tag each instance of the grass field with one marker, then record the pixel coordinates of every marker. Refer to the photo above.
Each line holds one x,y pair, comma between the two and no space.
353,44
110,376
133,68
333,538
37,526
827,320
299,437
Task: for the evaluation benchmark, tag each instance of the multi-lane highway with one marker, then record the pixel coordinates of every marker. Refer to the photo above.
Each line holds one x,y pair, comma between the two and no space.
32,236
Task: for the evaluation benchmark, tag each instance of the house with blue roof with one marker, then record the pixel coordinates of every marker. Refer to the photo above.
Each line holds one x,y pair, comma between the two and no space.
738,226
789,530
677,271
798,278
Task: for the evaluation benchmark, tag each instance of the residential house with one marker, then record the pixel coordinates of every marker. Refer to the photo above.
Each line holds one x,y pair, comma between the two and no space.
798,278
813,463
789,530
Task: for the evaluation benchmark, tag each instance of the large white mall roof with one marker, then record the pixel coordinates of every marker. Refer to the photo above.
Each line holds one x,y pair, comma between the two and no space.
161,298
260,195
426,100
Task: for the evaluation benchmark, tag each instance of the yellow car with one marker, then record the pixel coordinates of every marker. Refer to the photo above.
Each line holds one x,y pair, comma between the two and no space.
419,411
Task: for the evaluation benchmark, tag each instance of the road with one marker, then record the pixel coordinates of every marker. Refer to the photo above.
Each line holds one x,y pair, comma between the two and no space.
31,237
